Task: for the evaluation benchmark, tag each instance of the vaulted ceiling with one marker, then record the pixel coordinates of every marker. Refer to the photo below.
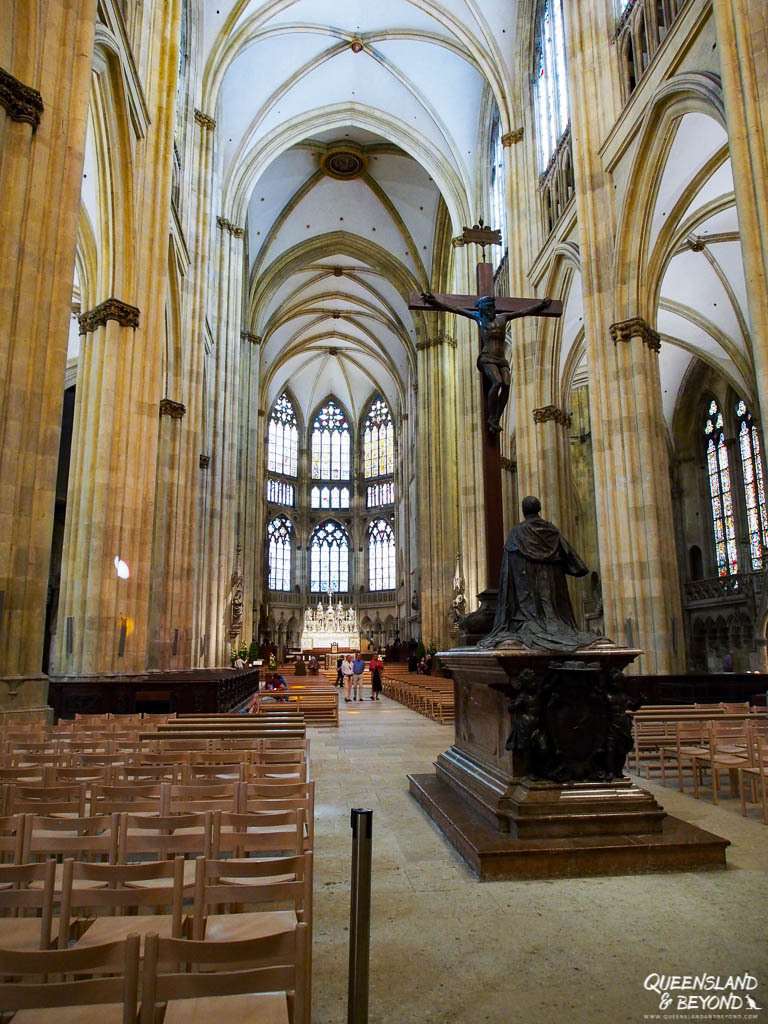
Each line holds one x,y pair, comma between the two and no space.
347,131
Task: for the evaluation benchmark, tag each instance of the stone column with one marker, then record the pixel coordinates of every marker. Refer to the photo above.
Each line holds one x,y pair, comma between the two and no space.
742,38
252,491
437,482
553,457
45,69
224,391
197,454
112,501
168,584
637,557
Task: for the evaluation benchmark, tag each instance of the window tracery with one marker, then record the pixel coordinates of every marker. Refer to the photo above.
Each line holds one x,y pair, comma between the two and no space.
381,556
550,84
329,497
718,471
279,534
283,438
329,557
754,486
330,444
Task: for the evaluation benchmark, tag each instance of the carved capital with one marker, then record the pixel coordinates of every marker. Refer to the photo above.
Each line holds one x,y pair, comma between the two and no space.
551,412
512,138
204,120
227,225
205,461
21,102
110,309
438,339
173,409
254,339
457,241
635,327
509,464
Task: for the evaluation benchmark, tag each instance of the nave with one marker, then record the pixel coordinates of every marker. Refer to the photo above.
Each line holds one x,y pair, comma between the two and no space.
446,948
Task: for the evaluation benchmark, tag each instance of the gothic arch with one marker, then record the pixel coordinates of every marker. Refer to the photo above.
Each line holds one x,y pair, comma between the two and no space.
696,92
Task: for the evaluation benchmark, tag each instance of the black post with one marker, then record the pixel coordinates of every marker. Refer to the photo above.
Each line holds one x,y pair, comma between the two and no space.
360,915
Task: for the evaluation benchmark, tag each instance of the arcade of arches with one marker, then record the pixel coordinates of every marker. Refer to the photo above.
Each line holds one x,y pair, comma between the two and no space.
214,401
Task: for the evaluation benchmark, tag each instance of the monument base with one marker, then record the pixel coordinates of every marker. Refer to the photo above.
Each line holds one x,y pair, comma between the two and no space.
495,855
533,784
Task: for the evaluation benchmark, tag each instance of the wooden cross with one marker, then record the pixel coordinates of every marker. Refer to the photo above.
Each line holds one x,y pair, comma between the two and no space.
494,518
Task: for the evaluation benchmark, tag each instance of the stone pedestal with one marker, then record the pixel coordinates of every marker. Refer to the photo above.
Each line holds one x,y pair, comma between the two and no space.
538,736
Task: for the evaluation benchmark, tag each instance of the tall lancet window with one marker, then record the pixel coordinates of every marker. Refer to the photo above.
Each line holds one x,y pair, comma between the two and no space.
381,556
550,85
754,487
498,205
379,454
283,438
279,543
330,444
720,493
329,557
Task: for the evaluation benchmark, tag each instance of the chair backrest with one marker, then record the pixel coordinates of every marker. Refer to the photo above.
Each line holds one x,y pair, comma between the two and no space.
286,880
240,835
275,964
92,838
129,797
114,892
118,984
165,836
204,794
66,799
12,838
17,894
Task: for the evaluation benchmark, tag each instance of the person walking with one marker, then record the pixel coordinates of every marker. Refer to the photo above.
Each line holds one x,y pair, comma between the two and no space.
346,672
358,667
376,666
339,673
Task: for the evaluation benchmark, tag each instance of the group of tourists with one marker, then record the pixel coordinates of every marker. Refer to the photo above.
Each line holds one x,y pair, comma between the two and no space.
349,674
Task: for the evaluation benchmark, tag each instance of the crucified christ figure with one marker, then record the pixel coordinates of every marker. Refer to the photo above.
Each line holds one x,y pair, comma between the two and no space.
492,360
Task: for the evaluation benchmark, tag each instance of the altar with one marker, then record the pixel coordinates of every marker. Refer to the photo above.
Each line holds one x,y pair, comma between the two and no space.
331,627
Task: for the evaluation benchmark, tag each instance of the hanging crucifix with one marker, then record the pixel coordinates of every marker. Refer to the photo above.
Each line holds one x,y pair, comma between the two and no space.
491,313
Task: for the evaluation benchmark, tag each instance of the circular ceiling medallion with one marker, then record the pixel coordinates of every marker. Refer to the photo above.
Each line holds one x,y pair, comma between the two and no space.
343,161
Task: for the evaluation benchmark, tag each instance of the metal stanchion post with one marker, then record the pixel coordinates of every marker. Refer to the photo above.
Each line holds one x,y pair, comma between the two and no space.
360,915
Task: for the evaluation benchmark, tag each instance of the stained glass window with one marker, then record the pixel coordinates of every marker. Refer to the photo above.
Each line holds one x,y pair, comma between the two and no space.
380,494
550,86
283,438
378,441
754,487
329,497
330,444
329,557
281,492
498,205
279,553
720,493
381,556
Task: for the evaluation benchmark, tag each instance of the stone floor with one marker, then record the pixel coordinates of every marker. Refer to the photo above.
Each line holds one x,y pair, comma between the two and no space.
447,948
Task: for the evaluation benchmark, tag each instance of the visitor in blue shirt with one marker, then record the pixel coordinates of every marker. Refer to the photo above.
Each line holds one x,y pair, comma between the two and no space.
358,667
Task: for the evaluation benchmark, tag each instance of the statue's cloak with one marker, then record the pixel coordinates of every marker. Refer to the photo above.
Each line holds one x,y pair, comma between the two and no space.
534,607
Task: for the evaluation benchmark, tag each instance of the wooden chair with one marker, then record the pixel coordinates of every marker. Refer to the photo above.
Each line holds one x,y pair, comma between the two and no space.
242,835
12,838
158,838
272,795
109,995
726,750
262,980
120,891
690,741
25,887
236,883
756,772
62,800
203,795
150,798
94,838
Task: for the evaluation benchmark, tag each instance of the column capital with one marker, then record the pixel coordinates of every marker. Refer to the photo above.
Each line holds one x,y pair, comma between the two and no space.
457,241
204,120
434,342
512,138
227,225
110,309
21,102
551,412
173,409
205,461
510,465
255,339
635,327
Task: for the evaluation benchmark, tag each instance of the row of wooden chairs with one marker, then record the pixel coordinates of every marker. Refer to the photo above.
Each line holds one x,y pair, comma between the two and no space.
655,728
432,696
260,979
